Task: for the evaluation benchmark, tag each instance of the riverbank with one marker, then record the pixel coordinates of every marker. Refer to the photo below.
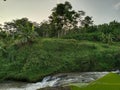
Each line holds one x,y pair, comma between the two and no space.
56,82
32,62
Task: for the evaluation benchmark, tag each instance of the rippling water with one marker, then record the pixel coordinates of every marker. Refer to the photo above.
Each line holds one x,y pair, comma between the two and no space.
52,81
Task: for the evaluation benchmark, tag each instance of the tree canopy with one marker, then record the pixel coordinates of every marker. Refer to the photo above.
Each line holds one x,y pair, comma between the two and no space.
63,18
64,22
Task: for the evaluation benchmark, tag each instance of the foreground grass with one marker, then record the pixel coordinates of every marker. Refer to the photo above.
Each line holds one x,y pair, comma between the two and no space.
109,82
31,62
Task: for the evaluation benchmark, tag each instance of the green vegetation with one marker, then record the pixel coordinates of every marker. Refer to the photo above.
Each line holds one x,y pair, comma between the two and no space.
50,56
30,51
109,82
106,33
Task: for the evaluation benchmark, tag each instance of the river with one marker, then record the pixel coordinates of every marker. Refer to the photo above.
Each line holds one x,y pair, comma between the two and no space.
53,81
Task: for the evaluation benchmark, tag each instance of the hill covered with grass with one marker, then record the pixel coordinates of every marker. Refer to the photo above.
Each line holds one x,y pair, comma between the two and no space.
31,62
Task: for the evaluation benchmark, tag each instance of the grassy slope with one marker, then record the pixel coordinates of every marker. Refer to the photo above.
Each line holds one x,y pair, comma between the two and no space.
50,56
108,82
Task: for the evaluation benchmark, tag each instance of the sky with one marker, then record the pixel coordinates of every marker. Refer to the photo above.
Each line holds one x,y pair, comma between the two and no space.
102,11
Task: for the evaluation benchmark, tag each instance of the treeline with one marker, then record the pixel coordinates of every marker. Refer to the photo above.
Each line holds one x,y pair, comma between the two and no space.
64,22
106,33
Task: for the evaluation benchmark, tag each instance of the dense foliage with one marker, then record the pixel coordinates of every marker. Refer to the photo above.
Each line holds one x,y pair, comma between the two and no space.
50,56
64,22
25,55
107,33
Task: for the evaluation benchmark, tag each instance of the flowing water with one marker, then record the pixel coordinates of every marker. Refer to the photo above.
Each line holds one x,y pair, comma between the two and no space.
53,81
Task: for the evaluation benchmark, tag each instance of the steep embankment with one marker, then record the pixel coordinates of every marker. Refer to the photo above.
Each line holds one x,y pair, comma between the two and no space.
50,56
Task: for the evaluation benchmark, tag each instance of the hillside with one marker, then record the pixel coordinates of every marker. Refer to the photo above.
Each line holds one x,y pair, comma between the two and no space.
31,62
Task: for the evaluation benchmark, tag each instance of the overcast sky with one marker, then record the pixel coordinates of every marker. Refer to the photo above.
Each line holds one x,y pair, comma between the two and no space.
102,11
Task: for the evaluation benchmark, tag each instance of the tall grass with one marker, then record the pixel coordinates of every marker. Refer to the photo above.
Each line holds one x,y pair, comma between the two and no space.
50,56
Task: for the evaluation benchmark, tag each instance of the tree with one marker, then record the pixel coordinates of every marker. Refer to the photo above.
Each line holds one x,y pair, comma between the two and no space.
22,29
63,18
87,21
115,30
0,27
43,29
